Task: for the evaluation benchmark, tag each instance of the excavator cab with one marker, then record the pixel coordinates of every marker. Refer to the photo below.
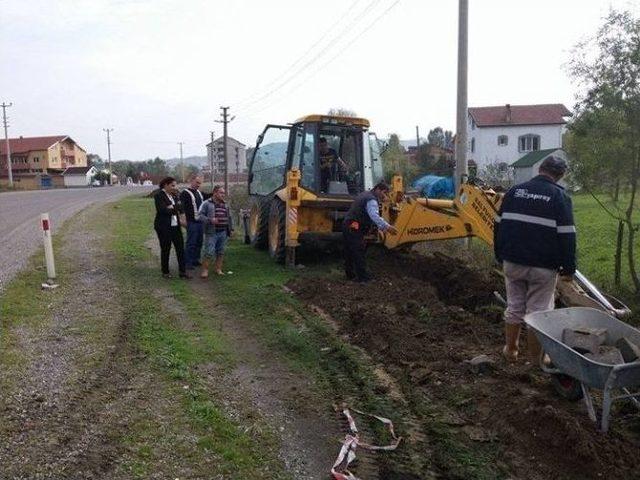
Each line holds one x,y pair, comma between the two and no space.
304,176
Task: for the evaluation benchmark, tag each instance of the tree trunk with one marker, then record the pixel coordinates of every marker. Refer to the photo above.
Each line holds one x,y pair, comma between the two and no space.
616,192
629,217
618,257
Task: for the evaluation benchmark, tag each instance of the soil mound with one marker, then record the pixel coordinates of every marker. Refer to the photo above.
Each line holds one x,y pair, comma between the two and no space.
424,317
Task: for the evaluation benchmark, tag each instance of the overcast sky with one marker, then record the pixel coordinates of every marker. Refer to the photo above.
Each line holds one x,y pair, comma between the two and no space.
157,71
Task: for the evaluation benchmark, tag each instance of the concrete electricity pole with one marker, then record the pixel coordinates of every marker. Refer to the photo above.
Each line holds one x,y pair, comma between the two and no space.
109,130
181,162
417,137
6,139
225,121
461,172
211,157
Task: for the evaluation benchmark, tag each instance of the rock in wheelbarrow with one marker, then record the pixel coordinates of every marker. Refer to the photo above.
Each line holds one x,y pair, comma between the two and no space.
584,340
630,350
606,354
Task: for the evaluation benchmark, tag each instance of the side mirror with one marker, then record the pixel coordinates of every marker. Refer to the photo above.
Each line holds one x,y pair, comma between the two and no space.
259,139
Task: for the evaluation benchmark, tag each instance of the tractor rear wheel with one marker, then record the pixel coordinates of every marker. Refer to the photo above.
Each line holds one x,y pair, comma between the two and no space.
277,230
259,222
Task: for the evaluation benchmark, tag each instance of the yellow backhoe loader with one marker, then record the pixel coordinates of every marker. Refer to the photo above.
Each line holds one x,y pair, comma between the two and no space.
296,199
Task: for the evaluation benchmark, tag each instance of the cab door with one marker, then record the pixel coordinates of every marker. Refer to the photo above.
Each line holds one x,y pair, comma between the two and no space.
267,172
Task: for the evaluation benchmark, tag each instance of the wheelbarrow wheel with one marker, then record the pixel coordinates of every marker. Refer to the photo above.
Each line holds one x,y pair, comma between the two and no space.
567,387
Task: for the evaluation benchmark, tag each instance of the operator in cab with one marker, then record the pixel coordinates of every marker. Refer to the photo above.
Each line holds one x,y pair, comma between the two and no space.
535,240
332,167
363,217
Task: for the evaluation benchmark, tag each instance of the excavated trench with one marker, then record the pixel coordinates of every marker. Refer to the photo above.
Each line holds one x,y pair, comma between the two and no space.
423,317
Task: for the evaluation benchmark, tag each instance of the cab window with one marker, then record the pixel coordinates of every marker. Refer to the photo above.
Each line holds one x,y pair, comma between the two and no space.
269,160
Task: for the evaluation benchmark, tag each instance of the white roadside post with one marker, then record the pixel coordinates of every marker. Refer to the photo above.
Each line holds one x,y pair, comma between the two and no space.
48,246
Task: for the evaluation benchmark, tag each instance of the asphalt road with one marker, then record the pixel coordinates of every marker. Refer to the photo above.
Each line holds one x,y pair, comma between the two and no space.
20,234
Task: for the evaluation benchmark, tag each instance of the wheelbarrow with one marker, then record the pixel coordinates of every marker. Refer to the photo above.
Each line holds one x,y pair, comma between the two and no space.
571,369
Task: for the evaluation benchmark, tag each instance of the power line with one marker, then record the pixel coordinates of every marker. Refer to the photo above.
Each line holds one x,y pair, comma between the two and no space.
359,18
343,17
331,60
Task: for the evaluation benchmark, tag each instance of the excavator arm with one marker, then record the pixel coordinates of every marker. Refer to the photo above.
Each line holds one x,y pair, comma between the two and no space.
472,214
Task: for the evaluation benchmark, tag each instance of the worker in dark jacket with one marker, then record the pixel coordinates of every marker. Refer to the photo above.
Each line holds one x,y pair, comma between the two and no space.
167,225
192,198
362,217
535,239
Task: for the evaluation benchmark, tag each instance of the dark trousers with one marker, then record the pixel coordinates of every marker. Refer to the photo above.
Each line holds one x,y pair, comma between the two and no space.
355,266
195,232
166,238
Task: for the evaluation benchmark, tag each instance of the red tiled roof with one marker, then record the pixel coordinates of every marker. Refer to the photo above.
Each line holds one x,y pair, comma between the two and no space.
550,114
29,144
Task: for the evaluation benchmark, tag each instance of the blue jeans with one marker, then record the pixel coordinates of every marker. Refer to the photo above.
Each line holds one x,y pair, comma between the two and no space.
194,244
215,243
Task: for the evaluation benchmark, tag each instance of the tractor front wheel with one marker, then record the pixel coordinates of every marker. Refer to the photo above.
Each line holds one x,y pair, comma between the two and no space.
259,222
277,230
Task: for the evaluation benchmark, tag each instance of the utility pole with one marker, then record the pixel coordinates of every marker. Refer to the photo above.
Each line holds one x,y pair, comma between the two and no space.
6,139
181,162
417,138
461,171
211,157
109,130
225,121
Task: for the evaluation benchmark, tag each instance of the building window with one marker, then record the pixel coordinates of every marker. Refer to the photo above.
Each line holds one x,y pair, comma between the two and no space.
473,145
503,140
529,143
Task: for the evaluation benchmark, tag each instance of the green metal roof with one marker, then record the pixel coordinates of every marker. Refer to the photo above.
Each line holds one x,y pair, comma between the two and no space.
531,158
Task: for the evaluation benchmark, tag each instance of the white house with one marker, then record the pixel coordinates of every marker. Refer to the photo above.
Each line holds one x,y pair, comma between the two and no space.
504,134
236,154
527,167
78,176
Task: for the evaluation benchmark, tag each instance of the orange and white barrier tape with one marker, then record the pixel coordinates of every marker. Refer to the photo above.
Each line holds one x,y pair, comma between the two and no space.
340,469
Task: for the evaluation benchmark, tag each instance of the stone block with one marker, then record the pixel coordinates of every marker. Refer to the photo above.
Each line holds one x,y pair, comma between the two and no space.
584,340
606,354
630,350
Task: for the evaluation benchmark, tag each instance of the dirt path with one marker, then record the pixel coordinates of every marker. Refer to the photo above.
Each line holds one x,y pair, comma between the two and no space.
262,384
83,402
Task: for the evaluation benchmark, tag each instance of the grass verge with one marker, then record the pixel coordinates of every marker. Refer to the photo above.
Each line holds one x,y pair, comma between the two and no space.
178,352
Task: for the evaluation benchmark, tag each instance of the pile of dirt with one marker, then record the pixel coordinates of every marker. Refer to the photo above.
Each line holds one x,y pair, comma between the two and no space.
424,318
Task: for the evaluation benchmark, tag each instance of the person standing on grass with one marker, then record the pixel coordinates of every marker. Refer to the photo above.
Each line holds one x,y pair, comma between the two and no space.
167,225
534,239
215,215
192,198
361,218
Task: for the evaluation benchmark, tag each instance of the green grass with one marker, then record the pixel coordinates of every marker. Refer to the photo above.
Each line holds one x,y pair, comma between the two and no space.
178,352
597,232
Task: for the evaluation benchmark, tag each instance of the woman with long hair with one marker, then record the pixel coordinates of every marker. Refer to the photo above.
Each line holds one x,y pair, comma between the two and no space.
167,225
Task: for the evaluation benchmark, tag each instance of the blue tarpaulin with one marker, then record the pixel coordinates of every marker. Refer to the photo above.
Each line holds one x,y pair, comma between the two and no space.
433,186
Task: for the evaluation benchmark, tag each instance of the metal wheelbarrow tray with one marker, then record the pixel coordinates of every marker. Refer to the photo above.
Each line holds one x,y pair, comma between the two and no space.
549,327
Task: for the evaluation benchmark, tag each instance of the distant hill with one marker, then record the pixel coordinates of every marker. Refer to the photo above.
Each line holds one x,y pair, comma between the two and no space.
198,161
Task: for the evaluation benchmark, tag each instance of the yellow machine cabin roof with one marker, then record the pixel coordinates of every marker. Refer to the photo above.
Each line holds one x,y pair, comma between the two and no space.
334,119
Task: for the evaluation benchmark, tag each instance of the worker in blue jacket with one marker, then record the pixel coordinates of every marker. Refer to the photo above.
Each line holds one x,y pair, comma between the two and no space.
535,240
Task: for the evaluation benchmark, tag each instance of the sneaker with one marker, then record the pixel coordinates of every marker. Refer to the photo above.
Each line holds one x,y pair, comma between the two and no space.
204,274
167,275
186,276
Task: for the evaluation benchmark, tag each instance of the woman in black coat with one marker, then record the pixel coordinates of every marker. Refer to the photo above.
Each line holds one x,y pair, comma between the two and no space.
167,225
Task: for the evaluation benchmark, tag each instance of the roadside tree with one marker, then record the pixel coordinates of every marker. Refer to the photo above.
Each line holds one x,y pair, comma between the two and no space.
605,134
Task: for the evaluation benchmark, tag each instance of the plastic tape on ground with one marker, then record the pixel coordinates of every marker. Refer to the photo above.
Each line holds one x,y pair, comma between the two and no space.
340,469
